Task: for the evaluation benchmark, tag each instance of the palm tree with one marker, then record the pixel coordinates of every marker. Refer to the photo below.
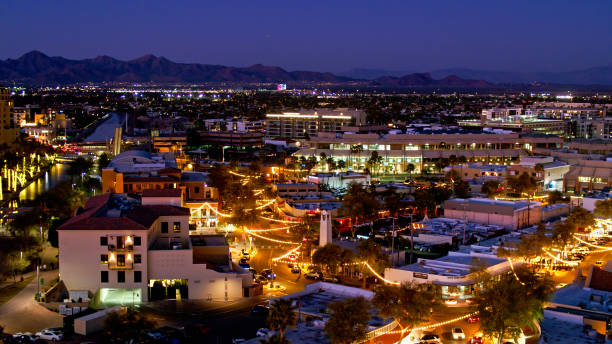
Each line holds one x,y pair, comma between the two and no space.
356,149
281,316
408,304
410,168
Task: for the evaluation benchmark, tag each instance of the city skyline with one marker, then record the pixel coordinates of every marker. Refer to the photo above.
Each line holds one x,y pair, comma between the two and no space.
332,38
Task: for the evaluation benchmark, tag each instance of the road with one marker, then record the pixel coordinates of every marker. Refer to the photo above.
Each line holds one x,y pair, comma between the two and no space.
23,314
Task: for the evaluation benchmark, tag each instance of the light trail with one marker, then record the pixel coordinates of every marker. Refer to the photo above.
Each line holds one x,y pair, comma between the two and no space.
277,220
270,229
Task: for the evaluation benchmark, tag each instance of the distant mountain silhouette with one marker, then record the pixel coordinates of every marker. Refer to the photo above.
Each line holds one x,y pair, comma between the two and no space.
36,67
590,76
371,73
425,80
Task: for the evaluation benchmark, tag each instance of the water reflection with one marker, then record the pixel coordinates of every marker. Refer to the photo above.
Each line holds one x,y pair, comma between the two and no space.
56,174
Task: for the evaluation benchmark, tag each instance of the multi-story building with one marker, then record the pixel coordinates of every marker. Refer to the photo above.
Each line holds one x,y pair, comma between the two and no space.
8,129
134,172
119,251
517,119
422,151
509,214
307,123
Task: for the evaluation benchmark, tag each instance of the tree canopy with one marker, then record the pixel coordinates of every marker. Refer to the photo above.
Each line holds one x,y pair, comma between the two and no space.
348,320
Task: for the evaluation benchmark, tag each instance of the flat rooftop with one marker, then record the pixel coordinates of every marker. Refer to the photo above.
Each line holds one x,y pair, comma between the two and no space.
455,264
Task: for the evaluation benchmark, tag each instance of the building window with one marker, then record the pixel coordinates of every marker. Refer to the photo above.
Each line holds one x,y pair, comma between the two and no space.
104,258
196,189
104,276
121,276
121,260
103,241
176,227
164,227
137,276
137,259
136,241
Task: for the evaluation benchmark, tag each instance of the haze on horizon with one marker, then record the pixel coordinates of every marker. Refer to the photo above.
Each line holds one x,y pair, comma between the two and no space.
394,35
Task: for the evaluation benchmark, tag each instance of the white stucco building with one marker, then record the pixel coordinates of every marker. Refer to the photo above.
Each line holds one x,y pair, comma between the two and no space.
119,251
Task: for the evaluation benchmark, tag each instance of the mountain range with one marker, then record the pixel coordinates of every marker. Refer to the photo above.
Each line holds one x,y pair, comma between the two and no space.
36,68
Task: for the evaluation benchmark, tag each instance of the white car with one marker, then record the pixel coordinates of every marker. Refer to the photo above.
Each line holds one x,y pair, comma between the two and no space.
262,332
50,335
28,335
458,333
238,340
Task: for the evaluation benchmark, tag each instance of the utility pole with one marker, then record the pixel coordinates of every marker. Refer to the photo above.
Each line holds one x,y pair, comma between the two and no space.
411,238
393,233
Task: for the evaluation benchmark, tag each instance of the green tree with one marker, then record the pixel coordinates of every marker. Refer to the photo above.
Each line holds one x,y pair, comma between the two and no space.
555,196
410,168
508,304
79,166
392,200
530,246
356,149
491,188
328,256
408,304
282,315
603,208
103,161
348,321
370,252
374,161
581,217
461,188
126,326
359,203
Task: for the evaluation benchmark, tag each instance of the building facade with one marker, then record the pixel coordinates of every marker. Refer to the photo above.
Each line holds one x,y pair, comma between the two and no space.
119,251
8,129
304,124
405,153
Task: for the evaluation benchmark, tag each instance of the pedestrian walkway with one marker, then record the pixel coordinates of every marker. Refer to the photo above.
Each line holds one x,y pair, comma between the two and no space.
22,313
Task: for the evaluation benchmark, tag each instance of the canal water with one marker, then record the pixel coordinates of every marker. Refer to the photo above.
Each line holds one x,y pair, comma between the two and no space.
47,181
106,130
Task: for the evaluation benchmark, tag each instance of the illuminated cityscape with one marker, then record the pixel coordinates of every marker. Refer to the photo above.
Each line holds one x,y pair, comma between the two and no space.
190,199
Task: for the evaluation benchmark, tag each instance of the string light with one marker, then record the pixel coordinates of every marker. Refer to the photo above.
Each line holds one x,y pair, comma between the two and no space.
589,244
238,174
379,276
287,254
270,229
265,205
273,240
514,272
559,259
277,220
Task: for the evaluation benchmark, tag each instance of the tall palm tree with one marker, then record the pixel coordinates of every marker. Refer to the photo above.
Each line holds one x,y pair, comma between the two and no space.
357,149
281,316
371,253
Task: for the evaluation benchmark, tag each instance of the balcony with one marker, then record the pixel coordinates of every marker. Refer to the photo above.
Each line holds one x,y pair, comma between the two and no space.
125,248
120,261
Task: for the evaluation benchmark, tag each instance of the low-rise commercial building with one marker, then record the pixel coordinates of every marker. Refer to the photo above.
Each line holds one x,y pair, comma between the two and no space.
455,273
509,214
588,176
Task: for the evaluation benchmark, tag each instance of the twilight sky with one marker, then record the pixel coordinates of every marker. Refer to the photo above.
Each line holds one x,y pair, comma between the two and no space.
405,35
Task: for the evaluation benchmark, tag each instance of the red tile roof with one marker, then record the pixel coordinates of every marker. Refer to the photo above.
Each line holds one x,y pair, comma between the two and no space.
161,193
141,217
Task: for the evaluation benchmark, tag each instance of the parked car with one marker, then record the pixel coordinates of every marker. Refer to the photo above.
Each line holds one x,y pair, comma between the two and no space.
261,280
430,339
473,319
238,340
313,275
268,273
451,302
262,332
331,279
295,269
50,335
260,310
476,340
458,333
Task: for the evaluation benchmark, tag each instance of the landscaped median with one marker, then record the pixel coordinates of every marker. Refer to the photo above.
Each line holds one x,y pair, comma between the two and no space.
8,292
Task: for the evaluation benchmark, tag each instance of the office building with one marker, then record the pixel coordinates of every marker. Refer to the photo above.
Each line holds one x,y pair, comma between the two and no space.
307,123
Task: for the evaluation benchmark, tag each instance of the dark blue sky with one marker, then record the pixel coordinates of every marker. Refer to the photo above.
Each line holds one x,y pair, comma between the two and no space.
329,35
